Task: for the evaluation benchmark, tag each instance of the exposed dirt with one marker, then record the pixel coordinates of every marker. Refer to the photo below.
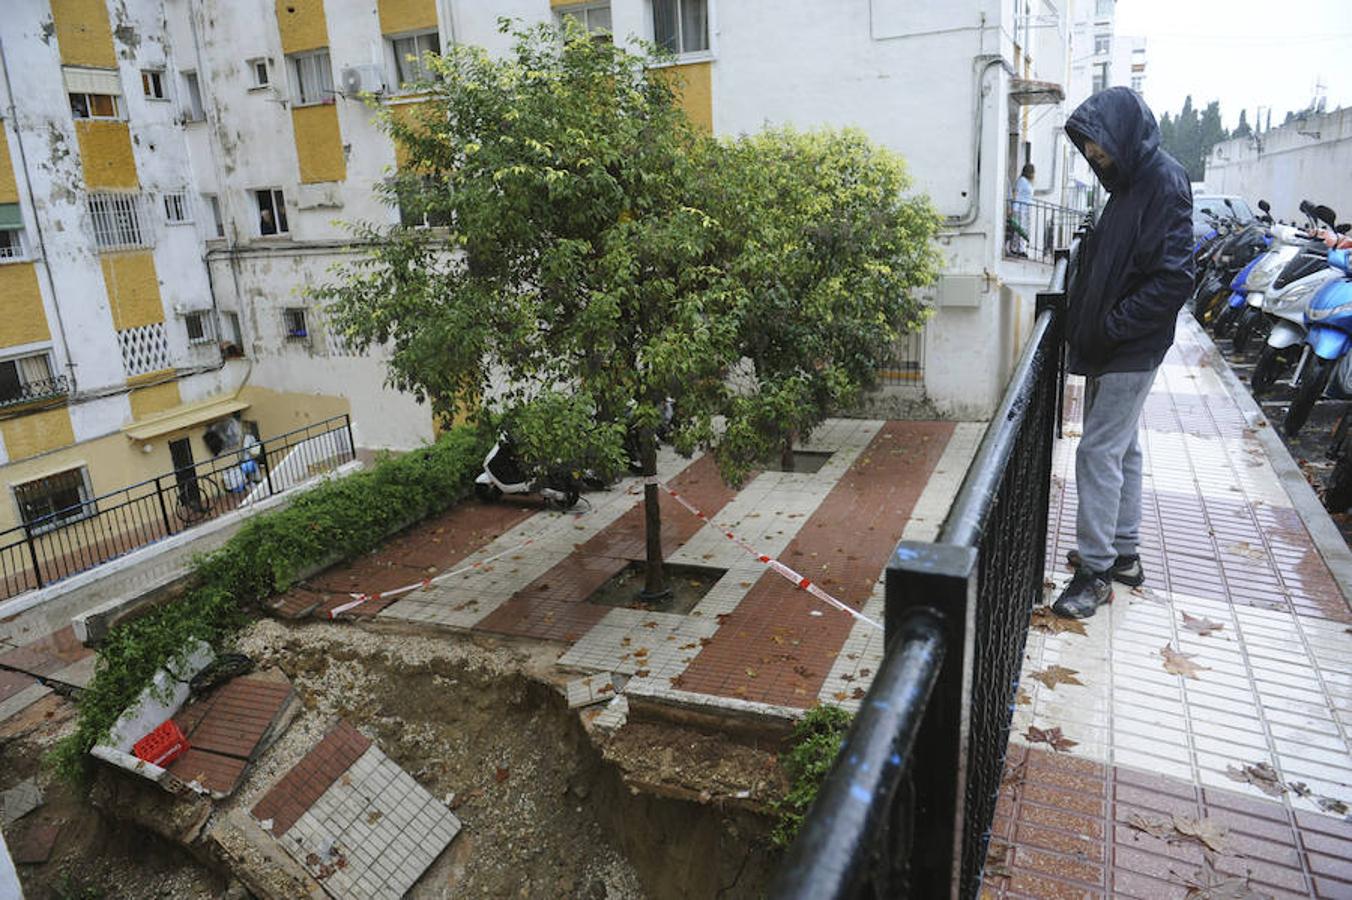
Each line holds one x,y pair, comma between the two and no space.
688,586
92,857
657,810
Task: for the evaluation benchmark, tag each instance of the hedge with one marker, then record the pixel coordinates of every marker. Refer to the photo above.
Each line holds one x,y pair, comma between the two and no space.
340,518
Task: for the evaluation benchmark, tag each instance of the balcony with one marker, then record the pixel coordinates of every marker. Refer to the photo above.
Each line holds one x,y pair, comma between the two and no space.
33,391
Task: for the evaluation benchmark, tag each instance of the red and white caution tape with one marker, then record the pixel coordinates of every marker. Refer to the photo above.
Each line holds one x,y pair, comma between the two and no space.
359,599
800,581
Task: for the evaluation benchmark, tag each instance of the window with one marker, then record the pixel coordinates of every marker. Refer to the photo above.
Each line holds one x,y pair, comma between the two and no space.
260,73
271,212
1103,8
1103,43
199,328
193,110
409,63
176,210
293,323
48,502
1100,77
595,17
232,330
214,204
1137,83
152,83
11,231
416,208
681,26
96,106
119,221
28,378
311,78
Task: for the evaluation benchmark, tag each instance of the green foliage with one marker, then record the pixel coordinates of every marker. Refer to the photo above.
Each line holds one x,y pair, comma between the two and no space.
603,255
337,519
816,742
1189,137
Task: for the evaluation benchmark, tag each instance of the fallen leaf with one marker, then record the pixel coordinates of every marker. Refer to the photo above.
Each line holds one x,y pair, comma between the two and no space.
1328,804
750,673
865,672
997,859
1203,626
1048,622
857,694
840,696
1208,884
1054,675
641,673
1244,548
501,775
1300,788
1208,832
1176,663
1051,736
1155,826
1022,698
1260,775
1014,775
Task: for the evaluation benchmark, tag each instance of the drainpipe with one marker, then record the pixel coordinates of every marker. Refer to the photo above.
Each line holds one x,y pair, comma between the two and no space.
981,64
37,220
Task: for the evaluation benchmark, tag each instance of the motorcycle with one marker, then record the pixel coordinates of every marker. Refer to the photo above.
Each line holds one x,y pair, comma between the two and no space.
1328,319
504,474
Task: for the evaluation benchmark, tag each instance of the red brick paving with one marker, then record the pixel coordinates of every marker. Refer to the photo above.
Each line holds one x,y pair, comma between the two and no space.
213,771
225,728
12,683
47,655
771,649
552,608
428,548
34,845
1066,823
298,789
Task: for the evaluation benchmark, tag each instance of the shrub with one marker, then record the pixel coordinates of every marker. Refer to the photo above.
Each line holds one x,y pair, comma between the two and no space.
337,519
816,741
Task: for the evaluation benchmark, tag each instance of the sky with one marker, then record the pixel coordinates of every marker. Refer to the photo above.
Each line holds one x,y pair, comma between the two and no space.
1244,53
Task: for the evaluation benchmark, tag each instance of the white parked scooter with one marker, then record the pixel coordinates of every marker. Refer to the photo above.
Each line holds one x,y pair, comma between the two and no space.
504,474
1285,306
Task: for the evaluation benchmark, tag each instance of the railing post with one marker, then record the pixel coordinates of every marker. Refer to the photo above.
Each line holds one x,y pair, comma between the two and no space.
164,507
33,553
944,577
351,444
267,466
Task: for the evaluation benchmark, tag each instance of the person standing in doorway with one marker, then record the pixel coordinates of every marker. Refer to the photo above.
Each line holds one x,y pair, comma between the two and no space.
1021,207
1131,276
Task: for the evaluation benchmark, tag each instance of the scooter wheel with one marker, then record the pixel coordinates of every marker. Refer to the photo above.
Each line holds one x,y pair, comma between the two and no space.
1311,390
1244,328
1338,493
1271,363
570,498
1220,328
486,492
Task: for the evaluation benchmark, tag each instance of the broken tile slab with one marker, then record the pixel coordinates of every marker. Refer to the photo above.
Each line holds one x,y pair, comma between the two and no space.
18,702
612,716
594,689
77,674
35,845
19,801
372,831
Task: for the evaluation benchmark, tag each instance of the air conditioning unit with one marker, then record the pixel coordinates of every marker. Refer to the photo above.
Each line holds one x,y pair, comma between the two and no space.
362,80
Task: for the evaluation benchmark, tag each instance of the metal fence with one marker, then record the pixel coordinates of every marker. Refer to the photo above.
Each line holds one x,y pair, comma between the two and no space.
907,807
55,543
907,363
1035,229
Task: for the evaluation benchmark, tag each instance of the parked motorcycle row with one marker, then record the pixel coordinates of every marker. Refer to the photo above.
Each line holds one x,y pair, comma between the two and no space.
1284,292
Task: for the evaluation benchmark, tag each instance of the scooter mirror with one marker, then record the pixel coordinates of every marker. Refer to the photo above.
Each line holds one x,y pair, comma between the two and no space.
1208,211
1325,215
1344,228
1264,206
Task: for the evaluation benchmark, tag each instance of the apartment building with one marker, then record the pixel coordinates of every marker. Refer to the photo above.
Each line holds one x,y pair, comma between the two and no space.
175,174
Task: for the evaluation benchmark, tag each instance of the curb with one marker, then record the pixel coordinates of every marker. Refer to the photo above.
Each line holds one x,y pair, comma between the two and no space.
1328,540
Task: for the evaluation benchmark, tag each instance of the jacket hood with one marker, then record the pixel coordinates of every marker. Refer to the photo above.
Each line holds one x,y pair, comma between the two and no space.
1118,121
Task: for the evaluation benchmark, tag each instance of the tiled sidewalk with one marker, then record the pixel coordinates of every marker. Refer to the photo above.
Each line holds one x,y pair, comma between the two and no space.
1237,585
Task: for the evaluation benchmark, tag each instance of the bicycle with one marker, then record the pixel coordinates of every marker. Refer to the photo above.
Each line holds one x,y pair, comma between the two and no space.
196,499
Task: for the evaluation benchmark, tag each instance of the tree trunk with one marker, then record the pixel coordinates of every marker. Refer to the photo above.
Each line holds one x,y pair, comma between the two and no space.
655,581
786,461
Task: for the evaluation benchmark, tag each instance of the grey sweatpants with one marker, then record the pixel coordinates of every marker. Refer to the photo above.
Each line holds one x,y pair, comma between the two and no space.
1108,467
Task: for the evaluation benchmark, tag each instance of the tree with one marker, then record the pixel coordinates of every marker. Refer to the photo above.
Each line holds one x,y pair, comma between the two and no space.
1242,130
603,256
1189,137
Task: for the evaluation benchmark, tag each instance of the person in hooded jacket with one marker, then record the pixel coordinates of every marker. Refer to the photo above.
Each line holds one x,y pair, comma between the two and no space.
1128,282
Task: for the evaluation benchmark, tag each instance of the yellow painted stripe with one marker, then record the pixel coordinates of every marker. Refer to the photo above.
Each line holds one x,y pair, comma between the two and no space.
151,400
302,25
319,143
82,33
695,86
9,186
105,150
24,320
133,288
36,433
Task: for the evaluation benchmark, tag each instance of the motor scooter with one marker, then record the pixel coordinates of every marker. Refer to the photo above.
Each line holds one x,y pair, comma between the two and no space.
1328,320
504,474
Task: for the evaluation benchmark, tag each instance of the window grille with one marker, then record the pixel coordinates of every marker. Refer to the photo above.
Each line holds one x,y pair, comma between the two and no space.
120,220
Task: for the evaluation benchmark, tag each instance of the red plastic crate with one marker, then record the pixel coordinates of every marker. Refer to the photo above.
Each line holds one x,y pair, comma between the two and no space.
162,746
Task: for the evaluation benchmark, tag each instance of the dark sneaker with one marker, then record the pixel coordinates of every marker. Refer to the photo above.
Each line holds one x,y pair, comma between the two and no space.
1087,591
1125,569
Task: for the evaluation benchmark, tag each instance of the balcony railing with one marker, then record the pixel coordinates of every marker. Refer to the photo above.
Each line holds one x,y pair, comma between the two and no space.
80,536
907,807
1034,229
56,386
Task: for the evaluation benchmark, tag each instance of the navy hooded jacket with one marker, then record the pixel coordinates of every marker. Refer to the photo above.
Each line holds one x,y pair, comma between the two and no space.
1134,270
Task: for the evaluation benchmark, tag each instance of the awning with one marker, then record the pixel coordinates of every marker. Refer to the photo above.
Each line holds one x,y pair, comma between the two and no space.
81,80
1027,92
183,416
11,218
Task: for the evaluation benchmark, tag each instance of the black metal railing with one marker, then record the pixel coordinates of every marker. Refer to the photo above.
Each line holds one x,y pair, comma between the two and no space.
55,543
907,807
56,386
1035,229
